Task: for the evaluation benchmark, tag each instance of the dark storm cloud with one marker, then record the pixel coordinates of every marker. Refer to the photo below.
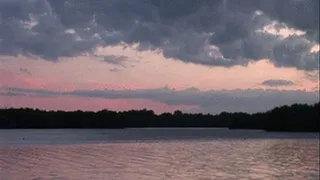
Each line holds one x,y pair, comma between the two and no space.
218,33
299,14
277,82
208,101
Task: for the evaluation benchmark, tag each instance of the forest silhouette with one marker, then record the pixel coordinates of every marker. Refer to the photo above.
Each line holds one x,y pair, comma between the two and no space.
297,117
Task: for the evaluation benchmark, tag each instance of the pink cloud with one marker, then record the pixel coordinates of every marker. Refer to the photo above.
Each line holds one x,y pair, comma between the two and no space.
13,79
70,103
152,71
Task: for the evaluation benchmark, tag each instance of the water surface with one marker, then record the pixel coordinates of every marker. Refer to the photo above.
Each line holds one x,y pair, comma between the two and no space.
154,154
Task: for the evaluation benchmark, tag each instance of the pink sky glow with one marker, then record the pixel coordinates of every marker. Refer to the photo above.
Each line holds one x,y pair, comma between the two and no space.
151,71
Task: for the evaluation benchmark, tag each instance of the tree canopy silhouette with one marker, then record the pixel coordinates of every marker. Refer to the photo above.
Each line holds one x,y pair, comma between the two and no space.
297,117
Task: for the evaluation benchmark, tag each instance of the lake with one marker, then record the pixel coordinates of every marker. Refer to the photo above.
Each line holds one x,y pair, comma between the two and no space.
157,154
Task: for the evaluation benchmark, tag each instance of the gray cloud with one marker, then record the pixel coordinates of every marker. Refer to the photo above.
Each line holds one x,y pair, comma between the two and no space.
312,76
217,33
249,100
277,82
122,61
8,93
114,70
25,71
116,60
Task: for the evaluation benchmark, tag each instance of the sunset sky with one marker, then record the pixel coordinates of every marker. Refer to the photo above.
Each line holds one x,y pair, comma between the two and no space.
166,55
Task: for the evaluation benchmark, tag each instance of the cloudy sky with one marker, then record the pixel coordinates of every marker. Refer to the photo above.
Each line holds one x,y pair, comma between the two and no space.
197,56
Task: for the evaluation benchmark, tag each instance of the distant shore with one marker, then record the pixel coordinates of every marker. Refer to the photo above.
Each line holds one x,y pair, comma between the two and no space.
294,118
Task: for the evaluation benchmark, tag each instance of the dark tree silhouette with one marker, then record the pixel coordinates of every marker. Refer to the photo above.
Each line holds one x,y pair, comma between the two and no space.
297,117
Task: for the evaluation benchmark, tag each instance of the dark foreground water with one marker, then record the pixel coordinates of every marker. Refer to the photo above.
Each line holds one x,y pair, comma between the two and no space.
154,154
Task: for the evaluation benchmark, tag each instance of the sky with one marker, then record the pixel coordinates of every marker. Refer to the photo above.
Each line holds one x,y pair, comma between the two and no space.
204,56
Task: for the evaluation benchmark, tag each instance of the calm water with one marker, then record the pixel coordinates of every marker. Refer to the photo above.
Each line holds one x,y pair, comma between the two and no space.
153,154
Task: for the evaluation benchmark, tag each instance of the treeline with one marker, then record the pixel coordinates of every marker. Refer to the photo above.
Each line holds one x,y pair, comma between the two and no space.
297,117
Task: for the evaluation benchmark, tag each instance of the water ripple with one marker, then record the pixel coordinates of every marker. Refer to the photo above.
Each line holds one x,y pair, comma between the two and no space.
267,159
